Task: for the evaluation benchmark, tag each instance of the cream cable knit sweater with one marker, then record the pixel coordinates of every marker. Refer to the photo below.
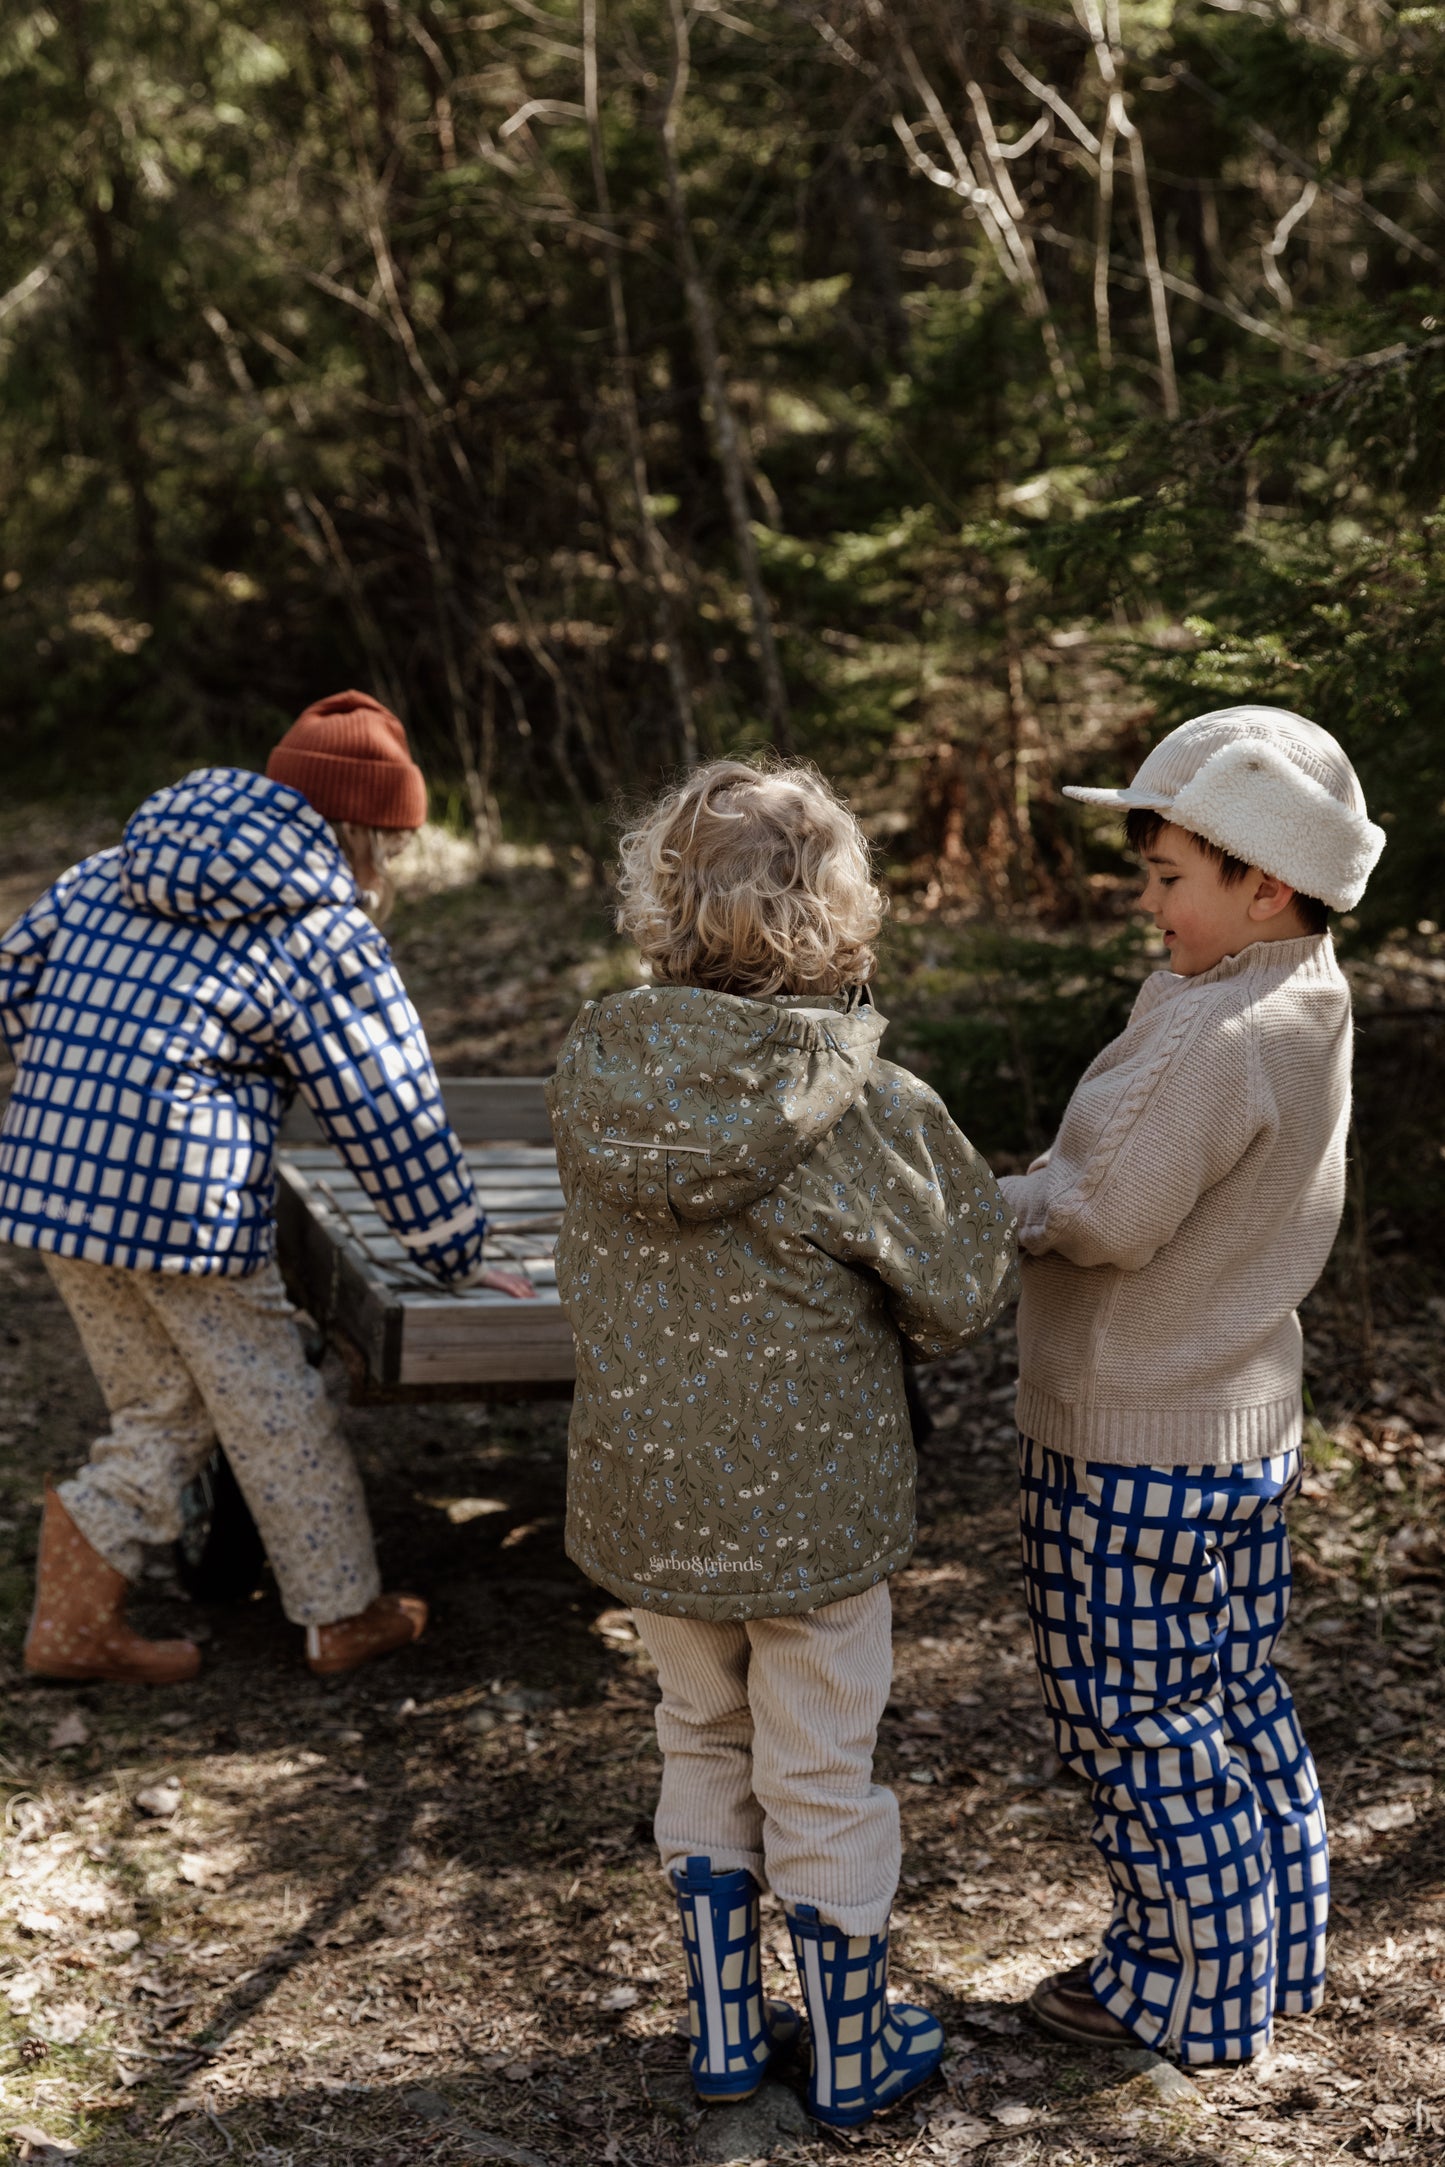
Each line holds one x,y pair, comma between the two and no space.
1187,1205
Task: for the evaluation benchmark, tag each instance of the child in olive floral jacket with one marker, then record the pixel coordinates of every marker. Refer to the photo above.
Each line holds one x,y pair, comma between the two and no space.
761,1212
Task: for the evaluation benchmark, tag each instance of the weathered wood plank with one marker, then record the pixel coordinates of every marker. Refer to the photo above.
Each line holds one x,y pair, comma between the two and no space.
519,1161
530,1341
449,1301
424,1368
381,1245
380,1237
519,1225
353,1275
333,1281
482,1109
522,1193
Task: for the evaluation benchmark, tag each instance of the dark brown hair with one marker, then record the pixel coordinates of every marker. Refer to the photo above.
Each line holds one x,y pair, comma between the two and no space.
1143,826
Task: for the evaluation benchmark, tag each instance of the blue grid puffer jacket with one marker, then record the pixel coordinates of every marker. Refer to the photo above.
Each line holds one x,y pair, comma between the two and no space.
164,1002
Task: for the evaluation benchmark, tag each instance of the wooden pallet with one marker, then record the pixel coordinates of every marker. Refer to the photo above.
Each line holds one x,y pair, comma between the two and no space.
412,1338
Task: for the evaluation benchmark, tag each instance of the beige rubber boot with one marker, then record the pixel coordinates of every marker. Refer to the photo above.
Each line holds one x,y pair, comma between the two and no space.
391,1622
78,1628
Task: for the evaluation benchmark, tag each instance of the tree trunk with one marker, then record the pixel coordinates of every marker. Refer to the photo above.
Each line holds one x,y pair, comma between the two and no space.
723,421
879,273
105,201
669,630
123,398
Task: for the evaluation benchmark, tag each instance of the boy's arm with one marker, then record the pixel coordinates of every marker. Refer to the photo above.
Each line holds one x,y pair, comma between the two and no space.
1015,1187
354,1045
1121,1179
1021,1193
899,1191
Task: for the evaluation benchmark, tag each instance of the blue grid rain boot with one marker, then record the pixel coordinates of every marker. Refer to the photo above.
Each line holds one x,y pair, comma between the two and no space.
867,2051
737,2037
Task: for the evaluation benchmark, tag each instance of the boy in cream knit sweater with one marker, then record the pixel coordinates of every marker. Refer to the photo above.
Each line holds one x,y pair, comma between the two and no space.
1186,1207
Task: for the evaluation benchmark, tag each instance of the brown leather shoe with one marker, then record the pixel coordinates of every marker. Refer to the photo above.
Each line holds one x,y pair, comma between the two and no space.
391,1622
77,1628
1066,2005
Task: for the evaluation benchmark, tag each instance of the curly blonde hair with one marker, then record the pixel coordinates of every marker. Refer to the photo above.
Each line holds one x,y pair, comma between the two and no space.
751,880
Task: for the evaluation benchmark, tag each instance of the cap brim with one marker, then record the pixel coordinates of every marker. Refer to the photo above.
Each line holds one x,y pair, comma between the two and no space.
1150,800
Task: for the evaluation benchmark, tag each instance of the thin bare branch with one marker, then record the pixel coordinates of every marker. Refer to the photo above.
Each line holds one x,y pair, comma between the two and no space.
537,15
1026,142
369,200
570,712
384,675
1351,200
723,15
993,151
1158,285
1104,242
444,81
541,109
1293,20
443,606
994,165
1272,250
32,282
1048,96
1104,38
979,200
487,151
1134,274
936,110
325,283
835,41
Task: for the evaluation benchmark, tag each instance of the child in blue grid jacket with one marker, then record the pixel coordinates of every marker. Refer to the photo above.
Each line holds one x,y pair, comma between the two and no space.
1186,1207
164,1001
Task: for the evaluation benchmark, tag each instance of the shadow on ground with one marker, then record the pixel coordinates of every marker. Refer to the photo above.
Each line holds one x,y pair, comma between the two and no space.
415,1914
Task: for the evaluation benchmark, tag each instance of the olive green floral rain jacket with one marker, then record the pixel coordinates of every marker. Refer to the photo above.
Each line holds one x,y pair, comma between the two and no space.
760,1212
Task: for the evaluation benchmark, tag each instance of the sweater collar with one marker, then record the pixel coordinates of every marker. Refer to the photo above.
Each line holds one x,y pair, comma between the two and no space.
1312,956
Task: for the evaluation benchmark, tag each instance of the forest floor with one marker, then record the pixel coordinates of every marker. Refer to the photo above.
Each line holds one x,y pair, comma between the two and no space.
414,1915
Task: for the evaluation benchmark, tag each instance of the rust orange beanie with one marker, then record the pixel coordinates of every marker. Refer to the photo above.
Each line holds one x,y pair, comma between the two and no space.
349,758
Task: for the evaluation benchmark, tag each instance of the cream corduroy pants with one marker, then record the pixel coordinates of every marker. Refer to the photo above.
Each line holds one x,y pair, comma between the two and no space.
767,1732
184,1361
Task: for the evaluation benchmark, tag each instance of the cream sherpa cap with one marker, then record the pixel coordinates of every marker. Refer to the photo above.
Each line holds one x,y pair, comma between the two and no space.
1269,788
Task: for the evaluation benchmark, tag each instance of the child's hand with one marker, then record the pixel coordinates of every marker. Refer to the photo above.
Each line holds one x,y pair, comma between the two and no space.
503,1281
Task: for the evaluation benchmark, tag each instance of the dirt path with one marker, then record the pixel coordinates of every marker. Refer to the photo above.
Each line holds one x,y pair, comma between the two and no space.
415,1916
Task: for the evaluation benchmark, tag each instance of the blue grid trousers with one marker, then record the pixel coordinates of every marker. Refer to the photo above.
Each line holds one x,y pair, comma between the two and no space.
1156,1596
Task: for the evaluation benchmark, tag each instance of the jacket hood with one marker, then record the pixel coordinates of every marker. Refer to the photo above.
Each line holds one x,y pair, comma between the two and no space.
676,1102
225,844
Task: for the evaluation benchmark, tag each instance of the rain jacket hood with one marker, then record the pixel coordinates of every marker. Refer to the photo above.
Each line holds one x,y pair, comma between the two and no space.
681,1103
224,844
761,1213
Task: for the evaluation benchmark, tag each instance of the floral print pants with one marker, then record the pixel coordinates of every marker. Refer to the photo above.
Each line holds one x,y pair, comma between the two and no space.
186,1362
